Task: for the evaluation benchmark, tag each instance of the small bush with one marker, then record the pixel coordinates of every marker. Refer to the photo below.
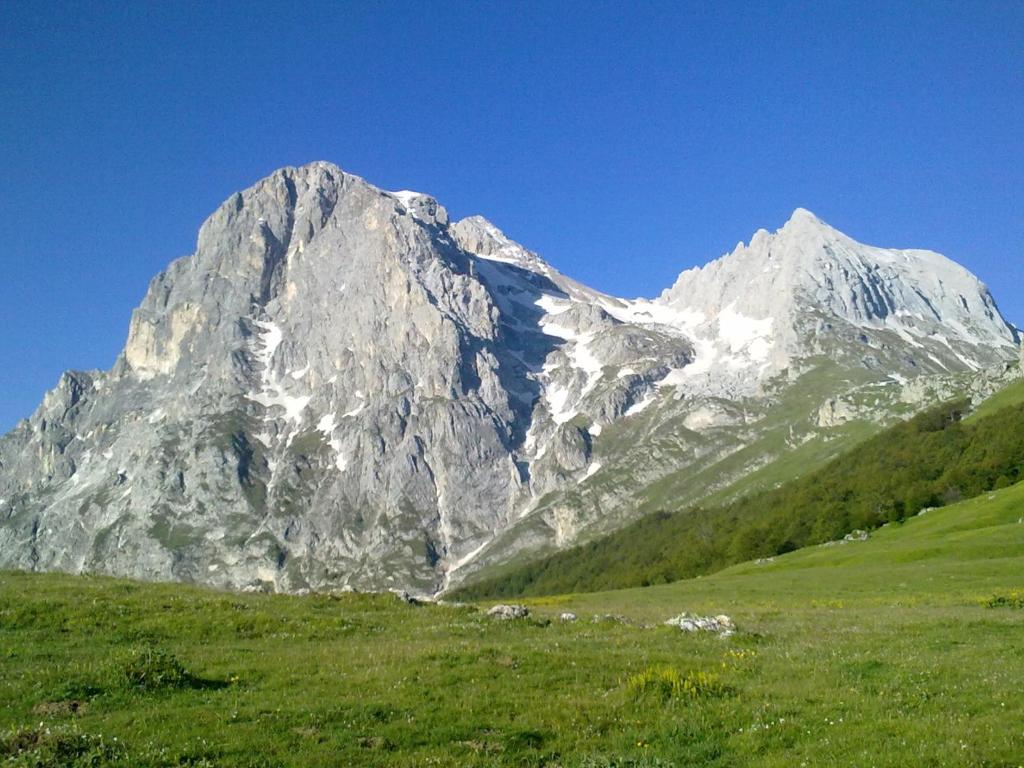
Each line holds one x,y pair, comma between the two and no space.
43,747
152,669
1013,599
668,683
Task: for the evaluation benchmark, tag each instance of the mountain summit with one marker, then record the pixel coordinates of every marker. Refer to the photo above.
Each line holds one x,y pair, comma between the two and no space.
341,387
808,281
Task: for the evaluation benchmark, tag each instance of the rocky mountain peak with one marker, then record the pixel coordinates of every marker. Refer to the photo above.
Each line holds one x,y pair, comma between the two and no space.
807,278
801,218
422,206
342,387
480,237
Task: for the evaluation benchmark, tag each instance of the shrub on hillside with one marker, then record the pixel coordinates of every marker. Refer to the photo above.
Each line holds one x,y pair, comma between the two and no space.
152,669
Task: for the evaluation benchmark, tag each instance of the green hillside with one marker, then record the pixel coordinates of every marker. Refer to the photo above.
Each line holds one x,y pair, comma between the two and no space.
948,557
933,459
905,649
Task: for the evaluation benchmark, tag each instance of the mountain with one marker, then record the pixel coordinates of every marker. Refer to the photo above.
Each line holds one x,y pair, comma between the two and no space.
341,387
782,296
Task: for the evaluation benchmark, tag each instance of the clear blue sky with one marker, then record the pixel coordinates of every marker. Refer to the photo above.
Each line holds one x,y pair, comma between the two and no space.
624,141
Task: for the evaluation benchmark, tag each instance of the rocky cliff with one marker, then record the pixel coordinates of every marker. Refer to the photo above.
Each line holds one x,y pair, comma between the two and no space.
341,387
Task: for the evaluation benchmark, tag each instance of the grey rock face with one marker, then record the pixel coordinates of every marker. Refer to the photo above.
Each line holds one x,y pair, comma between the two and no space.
341,388
331,391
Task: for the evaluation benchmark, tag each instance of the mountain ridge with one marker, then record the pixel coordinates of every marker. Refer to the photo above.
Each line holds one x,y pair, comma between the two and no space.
341,387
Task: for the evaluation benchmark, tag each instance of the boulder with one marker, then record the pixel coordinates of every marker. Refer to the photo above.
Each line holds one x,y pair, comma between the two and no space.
506,612
721,624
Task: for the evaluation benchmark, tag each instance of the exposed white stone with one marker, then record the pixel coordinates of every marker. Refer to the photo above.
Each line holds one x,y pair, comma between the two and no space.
506,612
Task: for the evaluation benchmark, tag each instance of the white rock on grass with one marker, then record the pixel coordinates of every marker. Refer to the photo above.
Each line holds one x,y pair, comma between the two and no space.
506,612
721,624
567,616
856,535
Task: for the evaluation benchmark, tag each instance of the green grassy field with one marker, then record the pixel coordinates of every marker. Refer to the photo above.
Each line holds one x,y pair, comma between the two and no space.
876,653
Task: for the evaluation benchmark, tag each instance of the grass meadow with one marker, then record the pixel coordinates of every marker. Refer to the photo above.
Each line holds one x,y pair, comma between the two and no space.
903,650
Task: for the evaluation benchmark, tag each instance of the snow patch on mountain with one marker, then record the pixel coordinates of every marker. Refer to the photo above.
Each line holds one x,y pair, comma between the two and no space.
745,337
272,394
641,405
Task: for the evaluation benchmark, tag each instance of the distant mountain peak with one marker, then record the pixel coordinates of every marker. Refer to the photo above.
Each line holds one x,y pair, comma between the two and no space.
802,230
801,217
808,272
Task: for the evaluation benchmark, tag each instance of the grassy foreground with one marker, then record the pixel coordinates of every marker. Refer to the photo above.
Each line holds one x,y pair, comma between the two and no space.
903,650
